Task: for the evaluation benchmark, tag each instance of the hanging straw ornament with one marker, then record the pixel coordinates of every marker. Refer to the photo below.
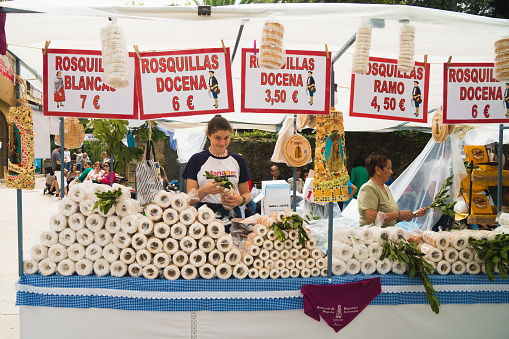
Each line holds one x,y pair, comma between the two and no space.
272,54
406,48
74,133
502,59
361,55
115,56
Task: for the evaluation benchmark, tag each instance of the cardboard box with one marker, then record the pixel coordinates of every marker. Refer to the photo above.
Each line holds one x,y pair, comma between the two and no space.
476,154
276,196
480,205
276,204
275,188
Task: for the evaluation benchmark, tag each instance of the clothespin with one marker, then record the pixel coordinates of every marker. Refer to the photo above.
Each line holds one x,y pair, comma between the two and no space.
46,45
327,51
254,48
425,61
137,52
448,62
224,48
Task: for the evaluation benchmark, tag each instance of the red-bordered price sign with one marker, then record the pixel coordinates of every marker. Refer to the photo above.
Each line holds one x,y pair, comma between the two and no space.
74,87
473,95
301,86
188,82
387,93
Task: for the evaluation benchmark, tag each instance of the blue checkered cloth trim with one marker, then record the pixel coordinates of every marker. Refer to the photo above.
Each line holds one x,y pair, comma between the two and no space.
239,295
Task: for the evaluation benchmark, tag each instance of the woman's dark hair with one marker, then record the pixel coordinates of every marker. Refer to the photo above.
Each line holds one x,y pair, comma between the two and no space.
218,123
359,161
373,160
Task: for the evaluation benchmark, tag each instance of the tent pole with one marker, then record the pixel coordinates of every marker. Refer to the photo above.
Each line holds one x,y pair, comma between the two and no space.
500,164
19,197
241,28
294,202
62,165
347,45
180,177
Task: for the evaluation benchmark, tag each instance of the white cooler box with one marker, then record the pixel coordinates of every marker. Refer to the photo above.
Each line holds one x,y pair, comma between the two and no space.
277,196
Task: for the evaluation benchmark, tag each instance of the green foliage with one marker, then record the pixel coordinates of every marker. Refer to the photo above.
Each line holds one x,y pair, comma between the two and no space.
143,132
106,200
293,222
111,132
225,182
495,254
408,253
442,198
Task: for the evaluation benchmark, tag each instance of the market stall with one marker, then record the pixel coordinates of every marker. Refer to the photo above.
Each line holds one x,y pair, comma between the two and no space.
55,305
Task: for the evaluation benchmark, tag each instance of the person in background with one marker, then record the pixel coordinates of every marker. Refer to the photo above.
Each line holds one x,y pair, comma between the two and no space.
359,175
164,178
109,176
72,174
105,156
85,158
218,160
96,173
67,159
86,170
375,196
274,171
300,182
56,164
79,158
389,182
351,191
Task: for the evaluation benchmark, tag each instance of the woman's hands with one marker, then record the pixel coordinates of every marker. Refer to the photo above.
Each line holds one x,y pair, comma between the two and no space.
406,215
231,200
409,215
212,187
420,212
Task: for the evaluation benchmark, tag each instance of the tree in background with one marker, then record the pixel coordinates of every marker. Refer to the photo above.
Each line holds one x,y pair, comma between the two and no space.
111,132
491,8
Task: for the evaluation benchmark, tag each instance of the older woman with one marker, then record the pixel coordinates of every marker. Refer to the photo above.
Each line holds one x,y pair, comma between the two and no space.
375,196
95,173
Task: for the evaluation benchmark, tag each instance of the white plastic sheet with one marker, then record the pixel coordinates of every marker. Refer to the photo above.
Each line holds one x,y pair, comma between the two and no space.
418,185
189,142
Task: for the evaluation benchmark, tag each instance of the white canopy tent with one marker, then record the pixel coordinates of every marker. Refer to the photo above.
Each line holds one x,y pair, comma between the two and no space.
440,34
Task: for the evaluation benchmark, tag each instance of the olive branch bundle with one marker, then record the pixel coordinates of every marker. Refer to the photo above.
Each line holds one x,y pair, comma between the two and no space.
494,253
225,182
293,222
440,202
106,200
408,253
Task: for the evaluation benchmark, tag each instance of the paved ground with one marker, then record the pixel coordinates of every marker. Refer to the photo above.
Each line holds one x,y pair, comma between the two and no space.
37,209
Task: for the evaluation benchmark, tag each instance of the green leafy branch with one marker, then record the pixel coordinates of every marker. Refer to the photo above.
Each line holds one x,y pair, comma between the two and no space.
293,222
408,253
225,182
106,200
442,198
494,253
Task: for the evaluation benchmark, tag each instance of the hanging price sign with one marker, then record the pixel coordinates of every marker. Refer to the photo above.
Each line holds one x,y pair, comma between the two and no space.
301,86
386,93
473,95
74,87
188,82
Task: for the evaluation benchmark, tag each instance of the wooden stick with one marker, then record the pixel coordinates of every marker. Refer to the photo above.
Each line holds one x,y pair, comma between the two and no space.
46,45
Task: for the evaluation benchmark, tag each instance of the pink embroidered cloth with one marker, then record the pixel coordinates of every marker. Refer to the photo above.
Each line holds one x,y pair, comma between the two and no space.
3,39
339,304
